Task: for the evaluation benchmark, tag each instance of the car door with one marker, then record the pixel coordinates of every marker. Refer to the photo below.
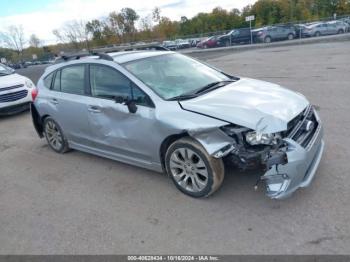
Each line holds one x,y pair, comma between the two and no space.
245,36
114,130
67,99
324,29
281,33
332,29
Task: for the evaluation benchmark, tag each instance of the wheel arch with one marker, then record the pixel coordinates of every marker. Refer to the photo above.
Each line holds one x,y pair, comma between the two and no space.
37,120
165,145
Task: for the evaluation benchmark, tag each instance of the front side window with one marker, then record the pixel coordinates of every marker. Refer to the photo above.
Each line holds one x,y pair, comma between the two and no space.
72,79
172,75
106,82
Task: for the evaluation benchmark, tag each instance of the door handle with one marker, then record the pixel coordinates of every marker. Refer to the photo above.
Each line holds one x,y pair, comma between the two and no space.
94,109
54,101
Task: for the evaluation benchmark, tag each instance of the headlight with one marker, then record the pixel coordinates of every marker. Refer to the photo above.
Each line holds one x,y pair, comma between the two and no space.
29,83
257,138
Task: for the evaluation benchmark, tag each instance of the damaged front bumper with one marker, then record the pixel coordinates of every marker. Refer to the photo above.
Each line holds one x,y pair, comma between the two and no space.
282,180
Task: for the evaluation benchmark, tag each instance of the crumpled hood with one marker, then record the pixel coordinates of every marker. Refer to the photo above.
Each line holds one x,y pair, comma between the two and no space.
255,104
11,80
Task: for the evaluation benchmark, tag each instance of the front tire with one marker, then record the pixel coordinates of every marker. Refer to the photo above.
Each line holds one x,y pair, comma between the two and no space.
193,171
290,37
54,136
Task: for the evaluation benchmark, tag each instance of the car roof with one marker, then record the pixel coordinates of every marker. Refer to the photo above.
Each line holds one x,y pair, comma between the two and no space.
128,56
118,57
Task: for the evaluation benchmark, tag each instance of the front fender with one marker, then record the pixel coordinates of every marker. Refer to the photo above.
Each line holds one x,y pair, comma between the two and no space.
215,141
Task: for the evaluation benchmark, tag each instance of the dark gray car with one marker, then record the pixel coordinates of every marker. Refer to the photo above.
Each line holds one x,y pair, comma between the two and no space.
170,113
274,33
236,36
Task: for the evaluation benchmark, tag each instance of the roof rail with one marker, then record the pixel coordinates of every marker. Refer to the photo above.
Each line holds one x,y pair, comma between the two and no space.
66,58
131,48
103,56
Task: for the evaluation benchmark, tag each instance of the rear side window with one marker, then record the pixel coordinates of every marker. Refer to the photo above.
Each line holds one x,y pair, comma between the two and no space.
48,81
72,79
106,82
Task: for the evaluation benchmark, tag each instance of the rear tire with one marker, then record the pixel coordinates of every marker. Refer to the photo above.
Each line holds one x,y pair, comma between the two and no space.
268,39
317,34
340,31
193,171
54,136
227,43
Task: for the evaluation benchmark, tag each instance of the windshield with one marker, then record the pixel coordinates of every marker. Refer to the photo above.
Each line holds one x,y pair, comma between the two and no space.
4,70
174,75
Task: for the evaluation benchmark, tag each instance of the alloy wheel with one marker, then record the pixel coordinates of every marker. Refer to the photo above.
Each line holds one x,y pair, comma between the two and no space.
188,169
54,136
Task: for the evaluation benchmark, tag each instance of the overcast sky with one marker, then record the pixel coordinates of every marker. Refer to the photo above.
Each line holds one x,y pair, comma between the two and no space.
40,17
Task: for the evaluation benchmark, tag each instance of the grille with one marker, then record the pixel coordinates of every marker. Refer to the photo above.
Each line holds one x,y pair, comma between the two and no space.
13,96
11,87
302,128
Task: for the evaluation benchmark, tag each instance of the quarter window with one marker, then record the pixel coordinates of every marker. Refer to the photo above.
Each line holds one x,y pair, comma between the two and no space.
57,83
48,80
72,79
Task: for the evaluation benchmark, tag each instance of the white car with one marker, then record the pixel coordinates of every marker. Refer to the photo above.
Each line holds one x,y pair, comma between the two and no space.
16,91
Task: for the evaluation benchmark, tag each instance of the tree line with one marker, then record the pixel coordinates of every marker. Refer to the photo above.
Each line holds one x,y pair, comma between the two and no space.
127,25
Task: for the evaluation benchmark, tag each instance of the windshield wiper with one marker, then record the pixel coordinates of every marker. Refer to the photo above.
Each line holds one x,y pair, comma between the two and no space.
213,86
182,97
208,87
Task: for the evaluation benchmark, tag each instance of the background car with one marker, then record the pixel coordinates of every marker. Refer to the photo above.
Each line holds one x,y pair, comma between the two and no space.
171,45
208,42
299,29
194,41
182,44
341,26
346,20
321,28
273,33
15,91
236,36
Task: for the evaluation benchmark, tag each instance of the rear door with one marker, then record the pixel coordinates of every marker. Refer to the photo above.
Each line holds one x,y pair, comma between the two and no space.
244,36
281,33
332,29
67,98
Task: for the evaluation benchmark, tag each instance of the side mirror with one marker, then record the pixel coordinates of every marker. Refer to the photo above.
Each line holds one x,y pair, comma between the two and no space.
132,107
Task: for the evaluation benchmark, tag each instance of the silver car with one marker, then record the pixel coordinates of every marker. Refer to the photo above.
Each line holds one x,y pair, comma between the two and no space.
320,29
170,113
341,26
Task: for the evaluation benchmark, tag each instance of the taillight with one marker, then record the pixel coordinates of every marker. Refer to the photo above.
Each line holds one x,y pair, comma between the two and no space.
35,92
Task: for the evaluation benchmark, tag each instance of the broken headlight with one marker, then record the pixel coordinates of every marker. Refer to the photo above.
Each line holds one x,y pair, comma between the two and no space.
257,138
